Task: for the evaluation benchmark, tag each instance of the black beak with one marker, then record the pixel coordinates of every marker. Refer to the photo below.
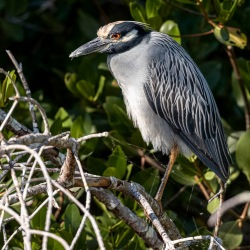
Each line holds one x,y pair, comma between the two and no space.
96,45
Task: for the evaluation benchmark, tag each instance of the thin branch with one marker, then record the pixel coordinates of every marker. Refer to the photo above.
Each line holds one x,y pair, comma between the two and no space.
189,10
85,211
24,212
219,214
201,186
40,108
27,90
91,136
206,33
119,185
241,198
30,218
140,226
150,161
194,239
68,169
150,214
7,117
205,14
244,214
51,235
127,189
46,175
17,219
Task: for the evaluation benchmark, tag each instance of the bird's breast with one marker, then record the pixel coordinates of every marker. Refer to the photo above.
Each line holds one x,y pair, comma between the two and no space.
127,68
131,75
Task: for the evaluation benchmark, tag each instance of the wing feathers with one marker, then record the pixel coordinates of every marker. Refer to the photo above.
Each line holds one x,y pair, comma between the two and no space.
177,92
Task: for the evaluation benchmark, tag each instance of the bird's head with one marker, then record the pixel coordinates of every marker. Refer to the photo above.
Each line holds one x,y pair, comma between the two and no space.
114,37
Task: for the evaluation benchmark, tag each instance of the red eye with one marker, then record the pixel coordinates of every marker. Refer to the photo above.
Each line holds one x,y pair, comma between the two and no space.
115,36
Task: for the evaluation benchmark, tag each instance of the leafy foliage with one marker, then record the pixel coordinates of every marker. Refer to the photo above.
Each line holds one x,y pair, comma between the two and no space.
82,96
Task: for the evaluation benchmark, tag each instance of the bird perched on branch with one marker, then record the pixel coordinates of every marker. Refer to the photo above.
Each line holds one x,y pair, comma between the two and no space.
166,95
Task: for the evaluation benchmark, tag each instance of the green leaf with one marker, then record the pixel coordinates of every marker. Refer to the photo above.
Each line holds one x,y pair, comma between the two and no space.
38,221
117,163
233,139
88,124
212,182
184,171
124,238
7,89
77,129
149,179
228,9
231,235
155,22
235,173
95,165
103,66
213,205
209,175
65,118
225,9
56,127
72,218
111,171
54,244
152,7
243,155
87,89
82,125
137,12
237,93
100,88
34,245
217,6
88,148
70,82
230,36
172,29
117,116
129,171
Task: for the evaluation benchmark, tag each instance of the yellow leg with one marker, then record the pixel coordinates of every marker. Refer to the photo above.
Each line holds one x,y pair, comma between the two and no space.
172,158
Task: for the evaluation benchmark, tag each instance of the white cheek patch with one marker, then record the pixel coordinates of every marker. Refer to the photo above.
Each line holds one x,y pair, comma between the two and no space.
132,34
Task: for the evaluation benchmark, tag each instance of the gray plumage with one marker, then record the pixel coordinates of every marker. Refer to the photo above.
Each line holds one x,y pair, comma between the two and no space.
165,93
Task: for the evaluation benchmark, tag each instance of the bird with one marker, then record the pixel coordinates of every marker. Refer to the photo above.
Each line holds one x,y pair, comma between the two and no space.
165,94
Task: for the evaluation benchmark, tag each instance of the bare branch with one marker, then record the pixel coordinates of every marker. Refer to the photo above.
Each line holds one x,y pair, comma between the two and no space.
136,223
40,108
150,213
241,198
194,239
13,125
68,170
27,89
46,175
84,210
6,118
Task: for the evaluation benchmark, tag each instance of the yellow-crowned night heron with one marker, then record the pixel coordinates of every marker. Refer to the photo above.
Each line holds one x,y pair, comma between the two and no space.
165,94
